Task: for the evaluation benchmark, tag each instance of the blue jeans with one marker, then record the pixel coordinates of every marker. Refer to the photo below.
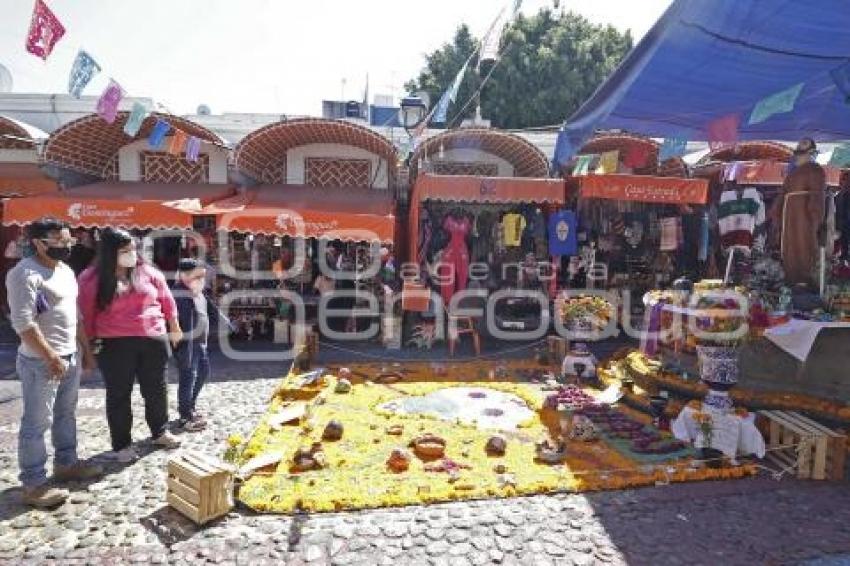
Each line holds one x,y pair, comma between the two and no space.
46,400
193,365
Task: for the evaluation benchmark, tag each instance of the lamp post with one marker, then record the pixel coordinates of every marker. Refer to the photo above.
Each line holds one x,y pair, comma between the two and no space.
412,111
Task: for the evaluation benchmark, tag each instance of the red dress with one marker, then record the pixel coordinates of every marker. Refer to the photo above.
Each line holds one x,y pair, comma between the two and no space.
454,268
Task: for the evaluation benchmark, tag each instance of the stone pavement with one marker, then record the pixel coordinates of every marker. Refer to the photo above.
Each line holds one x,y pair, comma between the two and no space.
123,517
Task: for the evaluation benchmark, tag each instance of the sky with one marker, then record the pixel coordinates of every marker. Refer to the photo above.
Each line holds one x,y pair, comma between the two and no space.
275,56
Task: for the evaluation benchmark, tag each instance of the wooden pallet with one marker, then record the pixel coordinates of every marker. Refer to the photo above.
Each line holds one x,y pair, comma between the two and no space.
199,487
797,443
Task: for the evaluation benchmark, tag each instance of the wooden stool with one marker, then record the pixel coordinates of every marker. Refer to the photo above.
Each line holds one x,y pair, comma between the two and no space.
797,443
456,329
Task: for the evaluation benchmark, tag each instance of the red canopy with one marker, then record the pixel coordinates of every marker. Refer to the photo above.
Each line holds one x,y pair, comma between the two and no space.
644,188
351,214
120,204
24,179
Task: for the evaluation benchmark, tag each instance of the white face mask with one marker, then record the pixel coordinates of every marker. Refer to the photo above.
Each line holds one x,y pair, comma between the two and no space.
128,259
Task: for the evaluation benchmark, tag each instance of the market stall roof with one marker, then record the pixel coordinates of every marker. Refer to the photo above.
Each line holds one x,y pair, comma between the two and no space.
761,172
261,153
90,145
120,204
464,188
703,61
350,214
751,151
24,179
527,160
15,134
624,143
644,188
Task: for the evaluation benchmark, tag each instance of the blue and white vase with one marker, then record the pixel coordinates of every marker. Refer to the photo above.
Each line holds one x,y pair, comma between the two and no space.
718,370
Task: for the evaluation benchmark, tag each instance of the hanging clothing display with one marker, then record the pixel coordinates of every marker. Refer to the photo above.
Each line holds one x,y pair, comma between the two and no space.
514,226
562,233
456,255
740,214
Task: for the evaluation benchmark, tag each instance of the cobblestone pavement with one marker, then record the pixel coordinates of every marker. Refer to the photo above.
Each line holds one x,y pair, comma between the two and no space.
124,518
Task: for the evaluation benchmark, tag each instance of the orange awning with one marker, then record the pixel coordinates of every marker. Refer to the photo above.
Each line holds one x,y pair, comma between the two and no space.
349,214
641,188
24,179
774,172
119,204
462,188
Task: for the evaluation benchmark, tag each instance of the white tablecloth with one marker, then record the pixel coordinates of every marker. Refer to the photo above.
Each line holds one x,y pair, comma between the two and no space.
731,434
798,336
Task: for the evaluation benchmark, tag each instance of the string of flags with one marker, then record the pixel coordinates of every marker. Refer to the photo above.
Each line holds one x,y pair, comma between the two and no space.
44,33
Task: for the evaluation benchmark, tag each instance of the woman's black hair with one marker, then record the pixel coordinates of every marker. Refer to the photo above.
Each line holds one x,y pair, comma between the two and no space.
111,240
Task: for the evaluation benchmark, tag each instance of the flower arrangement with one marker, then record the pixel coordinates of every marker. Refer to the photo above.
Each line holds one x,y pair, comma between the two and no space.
356,474
585,313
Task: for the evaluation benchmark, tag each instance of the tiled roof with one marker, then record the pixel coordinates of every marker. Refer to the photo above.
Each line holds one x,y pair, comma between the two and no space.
90,144
261,154
9,127
750,151
528,161
622,143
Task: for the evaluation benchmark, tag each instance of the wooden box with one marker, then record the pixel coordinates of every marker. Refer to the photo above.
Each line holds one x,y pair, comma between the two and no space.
199,487
796,442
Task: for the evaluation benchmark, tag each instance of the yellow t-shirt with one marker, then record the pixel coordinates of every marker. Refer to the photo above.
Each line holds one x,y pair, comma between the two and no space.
513,224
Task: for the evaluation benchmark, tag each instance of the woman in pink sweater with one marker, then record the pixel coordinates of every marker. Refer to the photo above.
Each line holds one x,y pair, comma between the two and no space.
127,307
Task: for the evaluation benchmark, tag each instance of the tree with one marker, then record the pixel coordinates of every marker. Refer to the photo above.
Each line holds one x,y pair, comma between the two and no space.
550,64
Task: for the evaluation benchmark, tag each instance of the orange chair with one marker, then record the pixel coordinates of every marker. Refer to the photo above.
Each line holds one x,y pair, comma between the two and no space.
459,325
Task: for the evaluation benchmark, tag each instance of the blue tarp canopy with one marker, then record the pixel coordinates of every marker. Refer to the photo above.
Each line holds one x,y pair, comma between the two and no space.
706,59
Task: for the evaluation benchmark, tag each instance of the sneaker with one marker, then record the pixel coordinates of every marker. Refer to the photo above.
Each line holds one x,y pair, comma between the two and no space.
166,440
191,425
78,471
124,456
44,496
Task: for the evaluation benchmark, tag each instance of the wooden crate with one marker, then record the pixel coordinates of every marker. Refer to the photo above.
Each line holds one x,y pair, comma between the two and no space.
821,450
199,487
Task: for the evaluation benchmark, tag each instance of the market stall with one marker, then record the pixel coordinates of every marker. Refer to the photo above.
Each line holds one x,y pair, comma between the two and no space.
262,229
640,231
512,226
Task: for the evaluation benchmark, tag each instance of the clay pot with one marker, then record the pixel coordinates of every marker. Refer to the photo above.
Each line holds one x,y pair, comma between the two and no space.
342,386
429,446
333,431
395,430
551,452
496,446
307,459
399,460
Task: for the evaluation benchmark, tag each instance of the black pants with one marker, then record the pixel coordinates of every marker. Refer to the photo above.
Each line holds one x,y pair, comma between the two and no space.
122,361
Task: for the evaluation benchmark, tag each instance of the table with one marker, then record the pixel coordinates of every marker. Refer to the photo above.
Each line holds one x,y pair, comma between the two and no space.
798,336
731,434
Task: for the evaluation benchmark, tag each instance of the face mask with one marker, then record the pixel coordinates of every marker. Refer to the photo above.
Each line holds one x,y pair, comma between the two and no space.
196,286
128,259
58,253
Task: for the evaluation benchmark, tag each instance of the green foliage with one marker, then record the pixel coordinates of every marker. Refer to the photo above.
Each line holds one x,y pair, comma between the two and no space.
551,63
